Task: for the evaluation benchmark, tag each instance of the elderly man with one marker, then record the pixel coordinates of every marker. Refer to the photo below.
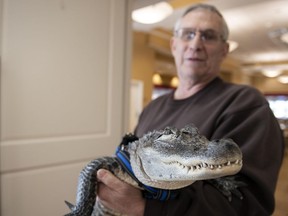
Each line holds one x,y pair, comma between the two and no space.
219,110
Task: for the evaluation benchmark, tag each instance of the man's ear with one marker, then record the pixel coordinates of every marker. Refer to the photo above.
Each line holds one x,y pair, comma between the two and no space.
226,49
172,45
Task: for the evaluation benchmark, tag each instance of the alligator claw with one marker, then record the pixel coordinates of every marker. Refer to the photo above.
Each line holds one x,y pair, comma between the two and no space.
70,205
228,186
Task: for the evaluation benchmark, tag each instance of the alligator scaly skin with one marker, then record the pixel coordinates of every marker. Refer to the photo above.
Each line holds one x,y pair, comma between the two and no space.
87,185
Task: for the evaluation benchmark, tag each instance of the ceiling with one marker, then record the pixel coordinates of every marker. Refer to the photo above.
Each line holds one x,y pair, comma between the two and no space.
254,24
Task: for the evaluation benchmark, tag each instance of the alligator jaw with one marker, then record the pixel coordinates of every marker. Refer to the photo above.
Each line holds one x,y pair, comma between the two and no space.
182,156
202,170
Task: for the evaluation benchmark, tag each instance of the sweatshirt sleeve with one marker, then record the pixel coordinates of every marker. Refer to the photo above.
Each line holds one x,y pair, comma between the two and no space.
258,134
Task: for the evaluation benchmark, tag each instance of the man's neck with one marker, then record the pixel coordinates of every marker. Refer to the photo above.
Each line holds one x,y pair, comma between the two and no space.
187,89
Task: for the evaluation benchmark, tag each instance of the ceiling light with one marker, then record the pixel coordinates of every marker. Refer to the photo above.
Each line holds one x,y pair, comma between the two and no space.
153,13
271,73
283,79
284,37
232,45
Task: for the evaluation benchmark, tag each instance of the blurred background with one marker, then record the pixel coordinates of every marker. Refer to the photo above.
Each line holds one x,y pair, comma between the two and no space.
76,74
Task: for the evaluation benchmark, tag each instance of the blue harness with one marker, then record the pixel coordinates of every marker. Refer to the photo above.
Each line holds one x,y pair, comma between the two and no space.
149,192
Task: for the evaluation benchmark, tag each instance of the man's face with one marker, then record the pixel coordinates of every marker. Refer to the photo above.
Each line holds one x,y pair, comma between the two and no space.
198,47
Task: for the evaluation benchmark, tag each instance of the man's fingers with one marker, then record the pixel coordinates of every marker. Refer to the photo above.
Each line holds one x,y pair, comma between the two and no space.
118,195
108,178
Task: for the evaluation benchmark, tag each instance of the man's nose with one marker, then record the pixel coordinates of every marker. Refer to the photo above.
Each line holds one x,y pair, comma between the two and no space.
196,43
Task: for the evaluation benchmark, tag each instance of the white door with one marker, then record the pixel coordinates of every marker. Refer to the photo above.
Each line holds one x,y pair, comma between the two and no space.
136,103
64,66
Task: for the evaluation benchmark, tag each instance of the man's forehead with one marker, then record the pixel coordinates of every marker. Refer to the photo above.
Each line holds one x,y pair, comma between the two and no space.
201,19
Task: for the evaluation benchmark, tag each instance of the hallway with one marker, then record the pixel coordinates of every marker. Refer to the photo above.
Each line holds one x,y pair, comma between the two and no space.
282,189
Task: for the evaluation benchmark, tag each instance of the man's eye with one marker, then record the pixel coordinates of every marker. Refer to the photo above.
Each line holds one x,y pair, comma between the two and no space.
209,36
188,35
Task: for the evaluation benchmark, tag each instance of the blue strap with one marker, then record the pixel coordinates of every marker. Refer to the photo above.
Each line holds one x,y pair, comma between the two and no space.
149,192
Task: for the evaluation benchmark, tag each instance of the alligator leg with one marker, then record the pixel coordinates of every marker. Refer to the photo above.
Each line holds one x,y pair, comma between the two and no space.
228,186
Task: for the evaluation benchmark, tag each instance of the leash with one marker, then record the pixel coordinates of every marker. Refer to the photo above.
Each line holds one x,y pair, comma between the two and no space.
123,158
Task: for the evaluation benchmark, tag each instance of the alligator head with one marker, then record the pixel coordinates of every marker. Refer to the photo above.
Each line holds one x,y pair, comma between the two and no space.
176,158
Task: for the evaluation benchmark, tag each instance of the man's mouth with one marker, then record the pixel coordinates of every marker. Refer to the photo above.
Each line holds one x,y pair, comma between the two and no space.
194,59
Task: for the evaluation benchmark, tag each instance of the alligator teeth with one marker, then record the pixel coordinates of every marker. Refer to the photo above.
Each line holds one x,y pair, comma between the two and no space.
189,169
205,165
240,162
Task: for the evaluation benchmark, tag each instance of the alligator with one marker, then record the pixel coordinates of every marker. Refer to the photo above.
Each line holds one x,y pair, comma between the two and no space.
161,163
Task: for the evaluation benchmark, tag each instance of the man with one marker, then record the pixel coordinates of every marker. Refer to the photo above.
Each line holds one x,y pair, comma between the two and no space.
219,110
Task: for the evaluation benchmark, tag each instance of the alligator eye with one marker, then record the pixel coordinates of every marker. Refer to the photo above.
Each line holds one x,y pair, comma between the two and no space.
186,132
190,129
168,130
187,129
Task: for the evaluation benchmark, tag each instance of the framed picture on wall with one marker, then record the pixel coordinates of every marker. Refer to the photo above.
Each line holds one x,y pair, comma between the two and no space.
279,105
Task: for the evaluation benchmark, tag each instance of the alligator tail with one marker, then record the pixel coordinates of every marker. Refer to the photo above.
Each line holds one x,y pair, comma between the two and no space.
87,186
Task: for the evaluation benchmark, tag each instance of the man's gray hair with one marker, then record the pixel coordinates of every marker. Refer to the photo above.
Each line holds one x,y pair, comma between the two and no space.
225,29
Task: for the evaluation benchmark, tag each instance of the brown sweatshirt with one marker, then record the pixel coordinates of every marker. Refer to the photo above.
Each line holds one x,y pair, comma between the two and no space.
223,110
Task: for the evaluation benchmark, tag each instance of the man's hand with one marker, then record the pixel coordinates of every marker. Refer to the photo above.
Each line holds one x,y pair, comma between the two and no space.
118,195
